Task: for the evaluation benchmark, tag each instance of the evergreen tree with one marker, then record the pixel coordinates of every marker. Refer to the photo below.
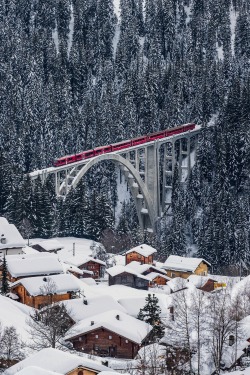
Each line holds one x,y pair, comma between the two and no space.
150,313
5,283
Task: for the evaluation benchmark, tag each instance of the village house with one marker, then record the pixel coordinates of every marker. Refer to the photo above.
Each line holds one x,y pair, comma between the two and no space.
88,263
143,254
123,275
30,265
11,241
156,275
112,333
54,361
40,291
77,272
177,266
50,246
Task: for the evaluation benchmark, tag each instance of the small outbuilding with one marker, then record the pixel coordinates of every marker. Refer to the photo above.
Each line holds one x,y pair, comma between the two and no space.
50,246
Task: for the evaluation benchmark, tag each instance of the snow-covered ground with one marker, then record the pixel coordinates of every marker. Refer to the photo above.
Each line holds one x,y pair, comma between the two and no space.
82,246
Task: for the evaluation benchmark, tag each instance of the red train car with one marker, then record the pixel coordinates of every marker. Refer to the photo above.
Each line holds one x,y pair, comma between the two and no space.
122,145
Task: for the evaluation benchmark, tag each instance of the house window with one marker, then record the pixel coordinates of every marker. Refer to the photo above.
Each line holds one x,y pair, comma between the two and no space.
124,279
110,337
173,274
96,336
80,372
126,341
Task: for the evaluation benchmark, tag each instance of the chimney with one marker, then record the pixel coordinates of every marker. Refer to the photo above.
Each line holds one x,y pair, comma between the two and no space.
92,322
118,317
85,302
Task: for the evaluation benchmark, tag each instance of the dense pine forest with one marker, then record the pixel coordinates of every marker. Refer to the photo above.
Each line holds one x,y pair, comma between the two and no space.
75,74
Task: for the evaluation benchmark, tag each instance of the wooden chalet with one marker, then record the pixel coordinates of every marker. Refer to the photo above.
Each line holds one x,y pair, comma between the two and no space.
96,266
39,291
156,275
123,275
144,254
110,334
177,266
56,362
205,283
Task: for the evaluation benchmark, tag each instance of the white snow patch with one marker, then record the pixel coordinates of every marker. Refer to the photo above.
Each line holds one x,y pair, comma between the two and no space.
233,20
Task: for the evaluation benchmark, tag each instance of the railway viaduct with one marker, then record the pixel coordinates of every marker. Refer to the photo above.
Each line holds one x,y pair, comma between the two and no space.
148,169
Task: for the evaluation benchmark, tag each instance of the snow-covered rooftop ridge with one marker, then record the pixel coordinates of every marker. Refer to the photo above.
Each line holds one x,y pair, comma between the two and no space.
80,308
55,284
143,249
200,281
177,263
115,321
82,259
71,268
152,275
34,370
49,245
140,268
116,270
57,361
9,236
33,264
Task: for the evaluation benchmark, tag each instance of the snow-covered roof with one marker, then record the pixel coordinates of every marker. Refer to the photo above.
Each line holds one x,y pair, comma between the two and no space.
34,370
49,245
79,311
38,285
153,275
140,268
9,232
78,260
71,268
144,250
177,263
57,361
178,283
116,270
33,264
115,321
199,281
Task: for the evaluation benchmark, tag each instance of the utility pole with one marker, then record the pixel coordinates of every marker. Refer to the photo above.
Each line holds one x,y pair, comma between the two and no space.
74,249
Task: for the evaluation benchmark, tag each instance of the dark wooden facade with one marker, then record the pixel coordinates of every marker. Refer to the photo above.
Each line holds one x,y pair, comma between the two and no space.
129,279
97,268
103,342
134,256
208,286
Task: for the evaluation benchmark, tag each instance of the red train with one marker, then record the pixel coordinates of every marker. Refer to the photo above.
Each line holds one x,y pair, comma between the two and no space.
121,145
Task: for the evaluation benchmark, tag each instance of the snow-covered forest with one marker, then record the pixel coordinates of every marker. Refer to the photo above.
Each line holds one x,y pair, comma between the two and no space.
76,74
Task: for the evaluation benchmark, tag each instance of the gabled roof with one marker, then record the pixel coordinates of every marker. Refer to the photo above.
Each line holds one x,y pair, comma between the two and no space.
38,285
58,361
141,268
115,321
12,237
71,268
116,270
177,263
78,260
200,281
33,264
49,245
100,304
144,250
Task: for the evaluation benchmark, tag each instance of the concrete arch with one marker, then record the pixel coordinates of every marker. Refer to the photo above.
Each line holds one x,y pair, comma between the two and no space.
120,161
